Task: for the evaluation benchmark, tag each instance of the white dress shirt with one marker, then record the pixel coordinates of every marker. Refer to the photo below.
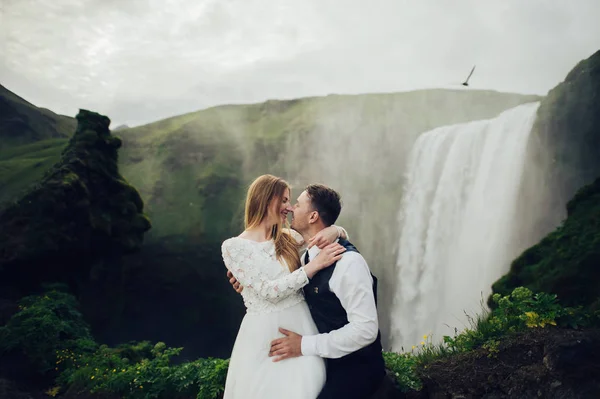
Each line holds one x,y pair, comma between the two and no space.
352,283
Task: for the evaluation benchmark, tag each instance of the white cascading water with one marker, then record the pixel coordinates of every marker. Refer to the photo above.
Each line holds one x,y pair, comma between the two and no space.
457,220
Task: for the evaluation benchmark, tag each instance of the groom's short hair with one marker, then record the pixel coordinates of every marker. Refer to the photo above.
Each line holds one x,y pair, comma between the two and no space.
326,201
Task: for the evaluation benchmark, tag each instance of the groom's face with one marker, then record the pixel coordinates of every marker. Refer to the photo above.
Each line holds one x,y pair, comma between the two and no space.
303,212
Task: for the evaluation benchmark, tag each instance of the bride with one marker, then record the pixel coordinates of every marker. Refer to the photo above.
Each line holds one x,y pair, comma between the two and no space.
265,260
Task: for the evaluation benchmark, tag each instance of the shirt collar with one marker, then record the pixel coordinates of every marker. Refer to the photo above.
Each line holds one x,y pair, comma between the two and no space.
314,251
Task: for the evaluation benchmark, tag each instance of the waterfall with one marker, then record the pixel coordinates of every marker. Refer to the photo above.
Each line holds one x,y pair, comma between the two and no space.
457,220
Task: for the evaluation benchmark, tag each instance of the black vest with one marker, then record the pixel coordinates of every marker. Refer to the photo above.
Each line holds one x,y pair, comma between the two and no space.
328,314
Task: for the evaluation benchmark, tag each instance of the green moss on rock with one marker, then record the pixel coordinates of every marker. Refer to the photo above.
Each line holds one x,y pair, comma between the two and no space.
567,261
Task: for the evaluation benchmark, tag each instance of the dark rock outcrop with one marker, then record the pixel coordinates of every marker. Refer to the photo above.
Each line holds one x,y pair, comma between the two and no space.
81,212
541,363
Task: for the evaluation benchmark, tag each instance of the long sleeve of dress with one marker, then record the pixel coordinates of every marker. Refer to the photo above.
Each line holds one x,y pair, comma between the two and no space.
244,261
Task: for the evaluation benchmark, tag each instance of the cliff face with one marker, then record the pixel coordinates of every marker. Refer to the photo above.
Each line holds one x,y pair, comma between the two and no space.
565,143
81,211
563,146
569,124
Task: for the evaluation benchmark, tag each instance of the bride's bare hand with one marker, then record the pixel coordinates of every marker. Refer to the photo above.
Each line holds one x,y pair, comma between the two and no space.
234,283
329,255
324,237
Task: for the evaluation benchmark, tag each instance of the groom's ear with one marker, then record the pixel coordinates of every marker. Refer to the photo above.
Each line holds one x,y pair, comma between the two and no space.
314,217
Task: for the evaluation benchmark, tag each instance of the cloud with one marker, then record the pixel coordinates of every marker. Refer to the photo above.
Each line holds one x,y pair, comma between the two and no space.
138,61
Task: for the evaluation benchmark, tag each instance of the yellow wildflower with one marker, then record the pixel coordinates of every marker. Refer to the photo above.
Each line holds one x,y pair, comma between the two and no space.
532,318
92,378
425,336
422,343
53,391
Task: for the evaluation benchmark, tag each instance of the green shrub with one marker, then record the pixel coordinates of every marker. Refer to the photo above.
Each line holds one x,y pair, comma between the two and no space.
520,310
403,365
47,326
124,372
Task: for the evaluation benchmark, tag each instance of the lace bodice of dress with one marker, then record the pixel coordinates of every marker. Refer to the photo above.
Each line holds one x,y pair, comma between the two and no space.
268,284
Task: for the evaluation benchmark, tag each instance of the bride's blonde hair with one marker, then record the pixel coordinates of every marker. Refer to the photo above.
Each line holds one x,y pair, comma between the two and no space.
259,200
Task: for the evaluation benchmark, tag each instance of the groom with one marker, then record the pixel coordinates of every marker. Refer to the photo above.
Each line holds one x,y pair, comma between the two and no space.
342,301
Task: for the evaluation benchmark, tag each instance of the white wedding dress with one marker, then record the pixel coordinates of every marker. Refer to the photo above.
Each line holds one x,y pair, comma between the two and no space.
273,299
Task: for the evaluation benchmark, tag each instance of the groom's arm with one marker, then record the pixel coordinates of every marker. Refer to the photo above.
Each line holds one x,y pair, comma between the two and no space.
352,283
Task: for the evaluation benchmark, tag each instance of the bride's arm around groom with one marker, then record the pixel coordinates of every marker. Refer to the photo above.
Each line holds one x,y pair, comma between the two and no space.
242,259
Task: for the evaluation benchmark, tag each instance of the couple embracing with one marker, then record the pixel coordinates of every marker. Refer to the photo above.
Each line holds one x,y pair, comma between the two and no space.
311,328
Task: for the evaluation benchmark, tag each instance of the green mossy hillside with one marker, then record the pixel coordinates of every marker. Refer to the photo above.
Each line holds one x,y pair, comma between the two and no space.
567,261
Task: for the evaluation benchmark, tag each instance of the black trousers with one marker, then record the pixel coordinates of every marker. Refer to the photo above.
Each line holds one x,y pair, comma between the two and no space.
351,380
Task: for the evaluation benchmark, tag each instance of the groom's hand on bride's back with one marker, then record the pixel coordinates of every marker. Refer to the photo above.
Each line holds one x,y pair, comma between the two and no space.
236,284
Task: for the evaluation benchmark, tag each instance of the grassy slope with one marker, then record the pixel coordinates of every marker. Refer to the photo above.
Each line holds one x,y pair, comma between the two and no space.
31,140
22,122
22,165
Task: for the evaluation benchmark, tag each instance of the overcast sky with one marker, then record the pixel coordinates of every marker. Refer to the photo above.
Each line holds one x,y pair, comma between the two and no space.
137,61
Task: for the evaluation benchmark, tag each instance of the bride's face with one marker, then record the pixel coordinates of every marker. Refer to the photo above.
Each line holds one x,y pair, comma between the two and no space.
280,207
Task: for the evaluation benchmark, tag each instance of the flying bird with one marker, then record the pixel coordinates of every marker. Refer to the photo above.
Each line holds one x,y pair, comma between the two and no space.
466,82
